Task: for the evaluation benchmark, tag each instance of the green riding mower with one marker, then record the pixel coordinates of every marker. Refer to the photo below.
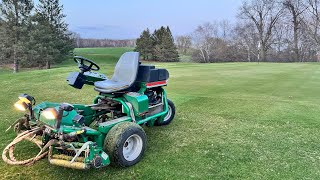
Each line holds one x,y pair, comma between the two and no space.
106,131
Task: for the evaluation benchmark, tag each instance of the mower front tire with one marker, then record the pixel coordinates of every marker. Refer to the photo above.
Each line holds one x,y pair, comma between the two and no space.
167,119
125,144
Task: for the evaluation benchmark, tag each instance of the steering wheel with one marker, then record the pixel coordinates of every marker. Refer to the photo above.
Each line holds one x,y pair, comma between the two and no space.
83,67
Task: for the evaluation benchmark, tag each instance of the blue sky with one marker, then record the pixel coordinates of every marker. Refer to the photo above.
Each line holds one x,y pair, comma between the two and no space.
121,19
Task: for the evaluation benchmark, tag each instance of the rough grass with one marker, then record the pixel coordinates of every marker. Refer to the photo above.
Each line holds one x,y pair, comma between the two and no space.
4,70
233,121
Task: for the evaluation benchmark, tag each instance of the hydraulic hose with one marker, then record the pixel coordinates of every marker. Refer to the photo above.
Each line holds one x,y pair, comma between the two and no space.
25,136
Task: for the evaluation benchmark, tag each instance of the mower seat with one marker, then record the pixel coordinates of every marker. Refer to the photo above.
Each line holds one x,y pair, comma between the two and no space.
124,76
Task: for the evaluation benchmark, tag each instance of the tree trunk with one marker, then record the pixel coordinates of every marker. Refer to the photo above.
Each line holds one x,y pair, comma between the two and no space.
263,54
15,62
295,41
16,66
202,55
249,54
16,20
48,64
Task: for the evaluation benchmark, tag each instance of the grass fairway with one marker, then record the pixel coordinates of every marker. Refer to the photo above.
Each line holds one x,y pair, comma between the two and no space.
233,121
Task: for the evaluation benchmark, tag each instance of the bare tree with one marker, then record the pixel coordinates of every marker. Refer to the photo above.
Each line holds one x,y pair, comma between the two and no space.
314,19
225,28
183,43
264,14
296,9
203,38
281,36
246,36
76,38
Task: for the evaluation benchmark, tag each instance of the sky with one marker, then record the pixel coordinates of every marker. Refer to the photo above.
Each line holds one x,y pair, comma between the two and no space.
126,19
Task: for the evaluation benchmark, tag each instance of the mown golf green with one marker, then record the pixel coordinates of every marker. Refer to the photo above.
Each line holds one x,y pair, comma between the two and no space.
233,121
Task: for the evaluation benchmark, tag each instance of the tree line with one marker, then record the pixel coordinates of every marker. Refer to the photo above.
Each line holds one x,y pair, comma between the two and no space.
158,46
33,35
89,42
265,30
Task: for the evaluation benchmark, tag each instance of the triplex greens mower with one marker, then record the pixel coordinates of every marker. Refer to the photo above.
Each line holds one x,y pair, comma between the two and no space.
83,136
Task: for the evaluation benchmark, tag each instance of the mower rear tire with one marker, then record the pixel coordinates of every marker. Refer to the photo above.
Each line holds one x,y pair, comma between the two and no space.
125,144
169,116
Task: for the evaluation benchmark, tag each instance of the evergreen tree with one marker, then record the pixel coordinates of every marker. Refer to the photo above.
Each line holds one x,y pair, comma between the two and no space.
52,32
160,45
158,35
4,51
41,45
144,44
15,16
165,49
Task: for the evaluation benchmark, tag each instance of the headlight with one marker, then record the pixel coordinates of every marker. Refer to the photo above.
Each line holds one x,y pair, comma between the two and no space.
25,102
50,113
20,105
26,98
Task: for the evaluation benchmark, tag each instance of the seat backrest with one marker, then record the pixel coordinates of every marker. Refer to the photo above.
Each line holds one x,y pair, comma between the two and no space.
126,69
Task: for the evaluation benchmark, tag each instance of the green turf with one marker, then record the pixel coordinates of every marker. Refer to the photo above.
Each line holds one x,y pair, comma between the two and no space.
4,70
99,55
234,121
